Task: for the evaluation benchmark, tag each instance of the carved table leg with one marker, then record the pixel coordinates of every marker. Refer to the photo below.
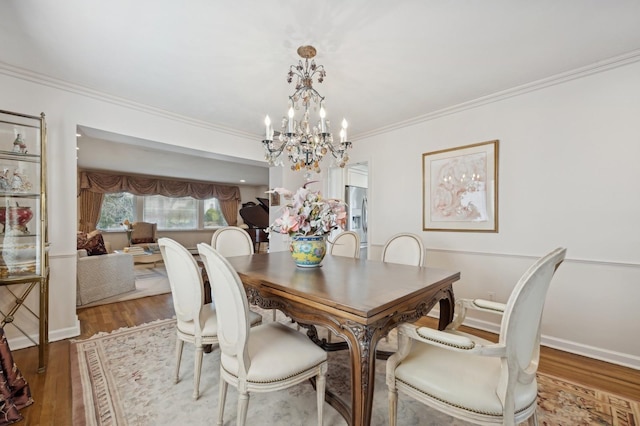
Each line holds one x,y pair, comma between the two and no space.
362,342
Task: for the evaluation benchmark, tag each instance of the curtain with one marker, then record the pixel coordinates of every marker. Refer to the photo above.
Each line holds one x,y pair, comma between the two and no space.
229,210
89,204
145,185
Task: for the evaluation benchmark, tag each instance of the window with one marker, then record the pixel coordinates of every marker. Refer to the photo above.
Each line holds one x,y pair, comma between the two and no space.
115,209
171,213
184,213
212,214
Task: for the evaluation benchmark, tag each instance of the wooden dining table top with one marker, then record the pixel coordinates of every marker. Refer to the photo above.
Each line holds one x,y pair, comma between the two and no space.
360,287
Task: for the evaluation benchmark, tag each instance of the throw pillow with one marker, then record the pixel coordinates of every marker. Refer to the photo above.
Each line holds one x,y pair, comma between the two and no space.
81,240
94,244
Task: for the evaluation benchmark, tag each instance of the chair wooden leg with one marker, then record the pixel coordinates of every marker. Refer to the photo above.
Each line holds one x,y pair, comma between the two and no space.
321,383
533,420
196,371
179,346
222,396
393,406
243,405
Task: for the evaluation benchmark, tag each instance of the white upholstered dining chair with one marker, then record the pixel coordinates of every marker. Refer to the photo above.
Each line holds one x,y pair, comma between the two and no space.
196,322
265,358
346,244
471,378
404,248
232,241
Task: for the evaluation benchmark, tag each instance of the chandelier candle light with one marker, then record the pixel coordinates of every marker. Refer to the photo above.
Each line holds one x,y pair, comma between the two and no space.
305,144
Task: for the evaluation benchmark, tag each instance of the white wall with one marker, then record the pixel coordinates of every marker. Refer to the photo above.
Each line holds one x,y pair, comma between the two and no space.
66,107
568,176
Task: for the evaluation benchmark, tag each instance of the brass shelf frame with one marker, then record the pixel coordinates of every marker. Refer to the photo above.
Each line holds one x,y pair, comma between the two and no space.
21,283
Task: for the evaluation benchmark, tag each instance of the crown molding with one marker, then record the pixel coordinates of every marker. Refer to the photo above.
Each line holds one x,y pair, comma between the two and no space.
595,68
37,78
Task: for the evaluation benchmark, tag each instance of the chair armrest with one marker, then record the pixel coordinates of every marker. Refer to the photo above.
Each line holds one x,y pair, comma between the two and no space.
451,341
462,305
488,306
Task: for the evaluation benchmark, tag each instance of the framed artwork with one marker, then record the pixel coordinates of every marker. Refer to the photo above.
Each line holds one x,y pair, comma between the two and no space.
274,199
460,188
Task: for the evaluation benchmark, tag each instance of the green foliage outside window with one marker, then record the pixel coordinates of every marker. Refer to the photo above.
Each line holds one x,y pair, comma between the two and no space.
169,213
115,209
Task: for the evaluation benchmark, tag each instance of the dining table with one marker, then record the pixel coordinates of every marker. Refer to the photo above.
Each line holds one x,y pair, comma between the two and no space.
359,300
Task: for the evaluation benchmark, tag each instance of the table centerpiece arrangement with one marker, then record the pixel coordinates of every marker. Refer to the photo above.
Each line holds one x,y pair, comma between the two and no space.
308,219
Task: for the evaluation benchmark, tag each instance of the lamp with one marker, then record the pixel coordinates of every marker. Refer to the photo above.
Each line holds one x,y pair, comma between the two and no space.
304,143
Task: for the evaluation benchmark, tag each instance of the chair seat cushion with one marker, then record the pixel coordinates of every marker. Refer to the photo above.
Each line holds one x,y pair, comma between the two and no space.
207,319
210,321
277,353
459,379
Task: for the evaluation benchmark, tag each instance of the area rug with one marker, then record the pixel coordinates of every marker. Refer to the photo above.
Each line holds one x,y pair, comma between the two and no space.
150,281
125,378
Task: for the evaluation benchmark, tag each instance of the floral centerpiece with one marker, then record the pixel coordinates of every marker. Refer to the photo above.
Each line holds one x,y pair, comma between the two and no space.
308,218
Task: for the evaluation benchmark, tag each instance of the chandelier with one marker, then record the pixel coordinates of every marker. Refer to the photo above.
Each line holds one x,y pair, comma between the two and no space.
304,143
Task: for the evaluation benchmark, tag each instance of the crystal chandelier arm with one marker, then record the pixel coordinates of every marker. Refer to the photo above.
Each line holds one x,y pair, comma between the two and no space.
304,143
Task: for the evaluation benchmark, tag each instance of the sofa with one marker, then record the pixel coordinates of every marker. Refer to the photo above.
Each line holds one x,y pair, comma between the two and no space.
103,276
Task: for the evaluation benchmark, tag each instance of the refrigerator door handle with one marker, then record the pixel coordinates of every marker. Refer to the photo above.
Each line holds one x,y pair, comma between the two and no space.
365,225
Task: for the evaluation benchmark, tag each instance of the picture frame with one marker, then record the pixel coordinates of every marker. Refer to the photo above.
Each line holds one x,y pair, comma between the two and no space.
460,188
274,199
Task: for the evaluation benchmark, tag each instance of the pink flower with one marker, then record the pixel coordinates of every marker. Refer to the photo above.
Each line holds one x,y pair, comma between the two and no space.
308,213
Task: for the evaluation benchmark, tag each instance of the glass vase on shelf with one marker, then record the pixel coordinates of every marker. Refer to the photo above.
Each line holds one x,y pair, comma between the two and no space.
129,232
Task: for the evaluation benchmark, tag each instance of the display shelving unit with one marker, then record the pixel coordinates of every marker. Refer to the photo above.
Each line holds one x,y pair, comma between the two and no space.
23,218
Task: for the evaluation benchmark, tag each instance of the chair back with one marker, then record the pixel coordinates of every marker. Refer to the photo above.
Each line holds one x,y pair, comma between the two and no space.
143,233
232,307
520,328
232,241
404,248
346,244
184,279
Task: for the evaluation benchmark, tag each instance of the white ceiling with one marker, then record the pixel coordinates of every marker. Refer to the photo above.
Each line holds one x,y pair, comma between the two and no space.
225,62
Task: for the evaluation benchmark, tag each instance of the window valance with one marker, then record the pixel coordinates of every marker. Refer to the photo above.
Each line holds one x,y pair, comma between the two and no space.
104,183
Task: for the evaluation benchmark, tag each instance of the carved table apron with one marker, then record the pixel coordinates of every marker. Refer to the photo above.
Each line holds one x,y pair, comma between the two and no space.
359,300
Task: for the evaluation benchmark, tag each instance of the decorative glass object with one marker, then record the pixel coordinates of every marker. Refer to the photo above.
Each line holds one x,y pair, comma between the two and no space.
303,141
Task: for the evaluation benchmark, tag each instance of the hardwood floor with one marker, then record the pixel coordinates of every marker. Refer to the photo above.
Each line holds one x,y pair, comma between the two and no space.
52,390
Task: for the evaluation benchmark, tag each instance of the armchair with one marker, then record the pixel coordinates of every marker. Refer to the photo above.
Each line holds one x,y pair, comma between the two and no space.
471,378
144,233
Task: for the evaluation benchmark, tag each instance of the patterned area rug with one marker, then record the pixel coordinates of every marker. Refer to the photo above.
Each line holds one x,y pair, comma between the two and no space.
125,378
150,281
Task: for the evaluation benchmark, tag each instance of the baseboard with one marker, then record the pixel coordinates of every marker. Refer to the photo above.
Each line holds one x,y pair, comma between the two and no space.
625,360
21,342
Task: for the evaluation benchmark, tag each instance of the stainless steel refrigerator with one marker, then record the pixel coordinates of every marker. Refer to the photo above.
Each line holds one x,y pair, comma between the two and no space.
356,199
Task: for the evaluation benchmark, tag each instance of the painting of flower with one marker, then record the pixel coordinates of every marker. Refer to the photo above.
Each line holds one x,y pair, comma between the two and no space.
460,188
